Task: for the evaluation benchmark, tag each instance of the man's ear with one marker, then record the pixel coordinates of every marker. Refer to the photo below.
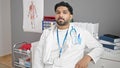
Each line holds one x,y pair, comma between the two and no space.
71,17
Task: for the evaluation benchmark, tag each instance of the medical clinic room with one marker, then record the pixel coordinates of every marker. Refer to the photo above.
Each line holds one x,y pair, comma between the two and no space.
59,34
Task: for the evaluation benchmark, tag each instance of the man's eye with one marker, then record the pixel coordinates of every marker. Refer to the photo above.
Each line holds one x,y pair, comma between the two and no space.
65,12
57,12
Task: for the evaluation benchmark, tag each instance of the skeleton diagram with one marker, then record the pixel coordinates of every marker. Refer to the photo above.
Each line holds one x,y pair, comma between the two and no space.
32,14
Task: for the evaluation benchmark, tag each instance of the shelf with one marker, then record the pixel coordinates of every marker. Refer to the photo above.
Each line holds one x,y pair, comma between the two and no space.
20,65
22,52
21,58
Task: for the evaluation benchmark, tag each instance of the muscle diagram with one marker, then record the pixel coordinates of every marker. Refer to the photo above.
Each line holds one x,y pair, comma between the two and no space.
32,14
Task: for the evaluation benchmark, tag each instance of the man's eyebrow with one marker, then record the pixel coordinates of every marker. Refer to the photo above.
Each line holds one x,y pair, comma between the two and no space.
63,10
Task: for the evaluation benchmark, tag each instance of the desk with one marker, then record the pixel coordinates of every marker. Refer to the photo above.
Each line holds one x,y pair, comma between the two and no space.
104,63
107,60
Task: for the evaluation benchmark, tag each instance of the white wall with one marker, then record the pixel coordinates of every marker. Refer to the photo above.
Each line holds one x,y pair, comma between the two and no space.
0,30
5,27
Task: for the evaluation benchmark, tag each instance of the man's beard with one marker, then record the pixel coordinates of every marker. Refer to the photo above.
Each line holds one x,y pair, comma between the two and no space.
61,23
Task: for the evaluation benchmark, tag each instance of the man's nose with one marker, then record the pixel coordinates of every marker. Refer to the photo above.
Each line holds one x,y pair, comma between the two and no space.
61,15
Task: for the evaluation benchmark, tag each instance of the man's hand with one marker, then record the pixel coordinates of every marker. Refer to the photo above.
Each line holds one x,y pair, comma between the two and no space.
83,63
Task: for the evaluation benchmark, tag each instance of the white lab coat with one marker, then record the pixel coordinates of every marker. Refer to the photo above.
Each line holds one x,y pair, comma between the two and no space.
44,57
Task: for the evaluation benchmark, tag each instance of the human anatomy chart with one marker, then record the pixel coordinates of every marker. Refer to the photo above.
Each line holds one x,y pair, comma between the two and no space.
33,15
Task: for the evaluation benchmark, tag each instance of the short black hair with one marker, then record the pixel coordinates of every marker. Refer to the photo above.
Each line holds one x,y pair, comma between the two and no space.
64,4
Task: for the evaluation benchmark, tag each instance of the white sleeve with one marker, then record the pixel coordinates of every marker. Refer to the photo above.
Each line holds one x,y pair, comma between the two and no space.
38,53
95,47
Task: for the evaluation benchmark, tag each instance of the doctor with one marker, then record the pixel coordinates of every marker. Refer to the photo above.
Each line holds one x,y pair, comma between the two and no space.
63,45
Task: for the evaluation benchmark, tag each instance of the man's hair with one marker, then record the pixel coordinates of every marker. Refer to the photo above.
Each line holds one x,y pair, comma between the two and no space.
64,4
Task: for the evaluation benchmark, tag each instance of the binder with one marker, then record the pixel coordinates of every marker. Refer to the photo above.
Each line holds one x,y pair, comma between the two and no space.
110,46
110,38
49,18
47,24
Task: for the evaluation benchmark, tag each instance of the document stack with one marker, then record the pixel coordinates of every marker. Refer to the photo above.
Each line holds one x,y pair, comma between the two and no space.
110,41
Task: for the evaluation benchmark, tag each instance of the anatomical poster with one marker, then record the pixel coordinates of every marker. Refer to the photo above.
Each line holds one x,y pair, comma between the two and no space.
33,15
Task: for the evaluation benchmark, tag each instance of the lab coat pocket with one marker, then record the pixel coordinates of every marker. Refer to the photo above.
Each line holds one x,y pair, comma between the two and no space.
74,50
76,46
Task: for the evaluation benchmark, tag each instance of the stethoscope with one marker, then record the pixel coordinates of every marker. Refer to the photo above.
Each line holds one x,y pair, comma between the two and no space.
73,34
76,39
73,30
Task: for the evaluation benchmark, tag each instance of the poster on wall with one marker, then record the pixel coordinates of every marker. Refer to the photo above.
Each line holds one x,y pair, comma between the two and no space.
33,15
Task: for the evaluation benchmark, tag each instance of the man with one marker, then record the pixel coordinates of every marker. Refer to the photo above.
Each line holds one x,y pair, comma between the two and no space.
63,45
